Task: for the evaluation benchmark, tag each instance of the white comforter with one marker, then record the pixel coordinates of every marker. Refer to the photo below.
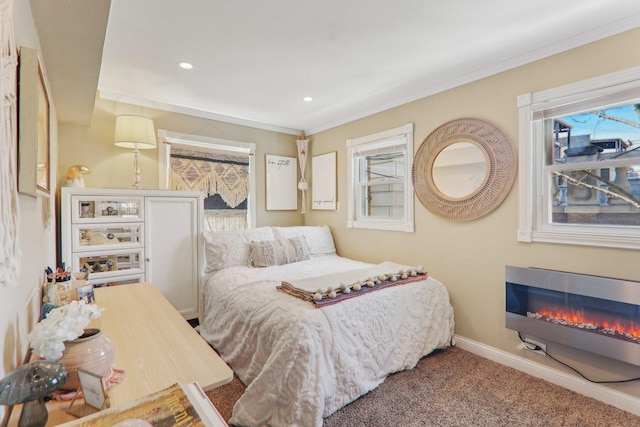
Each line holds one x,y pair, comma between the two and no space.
301,363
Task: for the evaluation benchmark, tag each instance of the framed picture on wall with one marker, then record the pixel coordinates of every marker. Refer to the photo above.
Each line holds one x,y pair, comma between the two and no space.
282,183
33,127
323,182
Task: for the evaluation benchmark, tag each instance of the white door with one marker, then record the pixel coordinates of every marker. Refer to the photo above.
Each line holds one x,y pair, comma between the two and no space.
171,237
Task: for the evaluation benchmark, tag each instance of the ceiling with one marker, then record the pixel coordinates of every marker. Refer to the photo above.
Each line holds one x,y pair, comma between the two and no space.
254,61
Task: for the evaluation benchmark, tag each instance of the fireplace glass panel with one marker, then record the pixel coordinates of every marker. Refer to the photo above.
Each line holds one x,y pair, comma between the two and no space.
601,316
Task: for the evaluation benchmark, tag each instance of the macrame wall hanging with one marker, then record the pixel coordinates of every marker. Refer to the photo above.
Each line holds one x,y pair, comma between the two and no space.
9,245
210,171
303,149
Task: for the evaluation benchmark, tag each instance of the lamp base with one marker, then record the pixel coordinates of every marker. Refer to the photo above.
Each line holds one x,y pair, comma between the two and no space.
136,167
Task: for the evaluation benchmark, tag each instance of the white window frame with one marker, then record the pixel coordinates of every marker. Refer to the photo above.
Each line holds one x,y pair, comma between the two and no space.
534,213
212,143
380,140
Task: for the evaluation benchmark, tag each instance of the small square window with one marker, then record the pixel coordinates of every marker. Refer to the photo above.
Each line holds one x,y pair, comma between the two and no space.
380,195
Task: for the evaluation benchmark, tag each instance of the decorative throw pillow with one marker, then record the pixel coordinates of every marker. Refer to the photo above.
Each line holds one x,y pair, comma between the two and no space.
277,252
318,237
231,248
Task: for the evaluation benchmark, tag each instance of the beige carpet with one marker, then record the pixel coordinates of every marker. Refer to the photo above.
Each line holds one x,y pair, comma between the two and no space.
457,388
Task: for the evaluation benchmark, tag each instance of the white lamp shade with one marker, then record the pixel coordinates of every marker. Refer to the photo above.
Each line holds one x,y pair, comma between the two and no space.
135,132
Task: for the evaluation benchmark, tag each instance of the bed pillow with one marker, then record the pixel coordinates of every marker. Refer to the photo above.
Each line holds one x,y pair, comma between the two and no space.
231,248
318,237
277,252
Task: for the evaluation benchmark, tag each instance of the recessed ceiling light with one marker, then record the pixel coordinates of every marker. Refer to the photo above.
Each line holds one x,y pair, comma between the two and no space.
186,65
307,99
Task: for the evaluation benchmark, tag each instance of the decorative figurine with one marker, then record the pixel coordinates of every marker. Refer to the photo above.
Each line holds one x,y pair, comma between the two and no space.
29,384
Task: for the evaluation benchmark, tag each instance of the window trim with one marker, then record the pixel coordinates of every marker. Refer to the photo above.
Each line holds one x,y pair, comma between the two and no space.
405,224
167,137
533,226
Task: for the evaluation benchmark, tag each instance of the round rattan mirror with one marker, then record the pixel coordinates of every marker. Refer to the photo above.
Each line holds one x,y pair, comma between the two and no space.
489,189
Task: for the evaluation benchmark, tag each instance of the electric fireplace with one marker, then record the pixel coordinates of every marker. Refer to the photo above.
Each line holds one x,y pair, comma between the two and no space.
592,313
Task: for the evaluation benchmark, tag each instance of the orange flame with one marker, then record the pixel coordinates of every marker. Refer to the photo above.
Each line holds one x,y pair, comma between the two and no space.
579,317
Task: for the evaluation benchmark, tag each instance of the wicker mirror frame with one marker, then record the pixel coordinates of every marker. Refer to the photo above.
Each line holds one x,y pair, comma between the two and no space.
499,179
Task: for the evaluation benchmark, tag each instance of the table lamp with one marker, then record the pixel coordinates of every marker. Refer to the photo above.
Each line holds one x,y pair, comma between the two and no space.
135,132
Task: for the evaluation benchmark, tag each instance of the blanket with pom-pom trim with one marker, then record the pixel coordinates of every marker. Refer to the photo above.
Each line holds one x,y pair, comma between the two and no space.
334,288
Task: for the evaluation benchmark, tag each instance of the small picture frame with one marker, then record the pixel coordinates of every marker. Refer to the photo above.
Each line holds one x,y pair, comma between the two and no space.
94,392
85,293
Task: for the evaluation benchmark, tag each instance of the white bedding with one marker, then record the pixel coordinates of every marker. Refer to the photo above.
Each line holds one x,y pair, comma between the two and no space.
302,363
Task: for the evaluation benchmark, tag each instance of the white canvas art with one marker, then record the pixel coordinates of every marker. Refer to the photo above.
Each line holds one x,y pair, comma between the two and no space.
282,183
324,182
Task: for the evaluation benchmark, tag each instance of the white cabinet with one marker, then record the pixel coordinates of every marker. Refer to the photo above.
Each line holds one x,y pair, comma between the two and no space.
122,236
171,231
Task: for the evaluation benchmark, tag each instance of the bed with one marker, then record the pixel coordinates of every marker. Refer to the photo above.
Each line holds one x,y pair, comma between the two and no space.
301,363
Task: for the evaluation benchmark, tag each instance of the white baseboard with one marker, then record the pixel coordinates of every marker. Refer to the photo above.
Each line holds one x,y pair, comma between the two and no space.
604,394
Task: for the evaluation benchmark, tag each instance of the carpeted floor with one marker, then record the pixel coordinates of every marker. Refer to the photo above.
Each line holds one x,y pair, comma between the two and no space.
457,388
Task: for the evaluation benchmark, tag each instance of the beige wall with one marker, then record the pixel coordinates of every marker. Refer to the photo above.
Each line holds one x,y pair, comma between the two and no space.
112,166
470,257
19,305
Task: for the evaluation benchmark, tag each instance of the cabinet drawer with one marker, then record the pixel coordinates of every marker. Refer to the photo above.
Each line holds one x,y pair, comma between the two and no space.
89,237
117,280
92,209
113,263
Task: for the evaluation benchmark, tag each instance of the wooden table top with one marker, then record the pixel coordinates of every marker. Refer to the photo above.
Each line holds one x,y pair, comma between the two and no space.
154,345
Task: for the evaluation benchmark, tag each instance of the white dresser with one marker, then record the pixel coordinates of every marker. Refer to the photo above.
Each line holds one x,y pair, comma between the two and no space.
123,236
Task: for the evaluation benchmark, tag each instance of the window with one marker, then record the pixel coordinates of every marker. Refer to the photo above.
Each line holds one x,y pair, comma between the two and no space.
580,144
223,170
380,194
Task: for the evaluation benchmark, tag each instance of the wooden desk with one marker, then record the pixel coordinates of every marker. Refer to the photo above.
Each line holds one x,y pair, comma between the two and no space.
154,345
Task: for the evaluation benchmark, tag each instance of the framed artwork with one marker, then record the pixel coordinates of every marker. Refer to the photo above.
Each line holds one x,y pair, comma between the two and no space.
324,182
93,388
282,183
85,293
33,127
94,392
